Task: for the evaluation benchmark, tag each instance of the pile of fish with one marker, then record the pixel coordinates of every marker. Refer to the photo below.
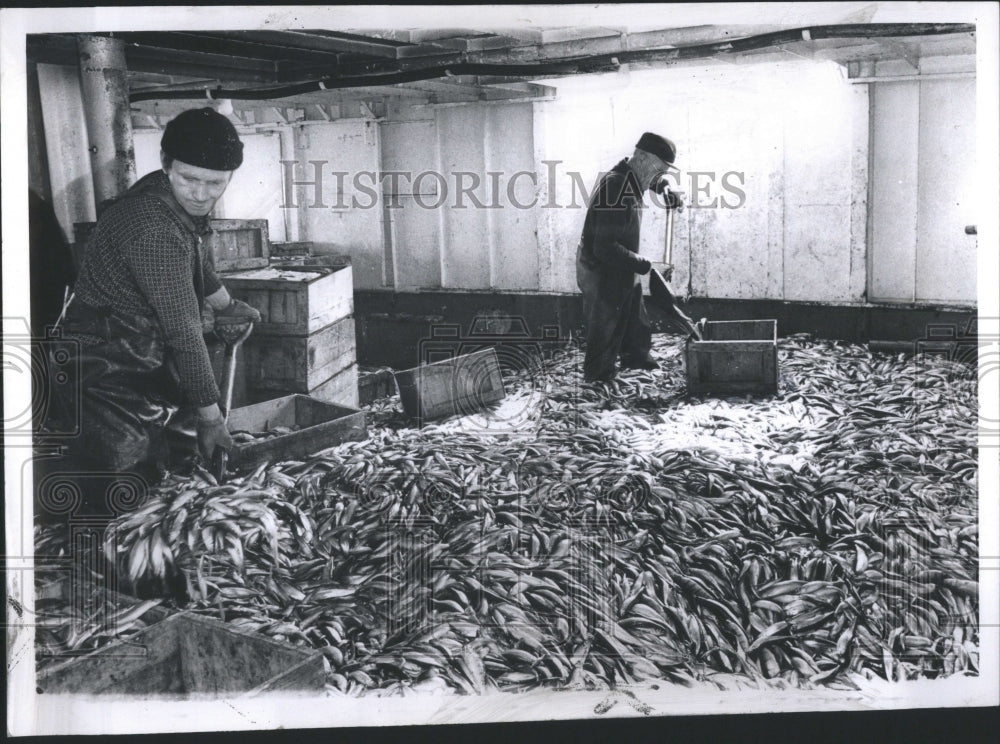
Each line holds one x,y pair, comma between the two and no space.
835,532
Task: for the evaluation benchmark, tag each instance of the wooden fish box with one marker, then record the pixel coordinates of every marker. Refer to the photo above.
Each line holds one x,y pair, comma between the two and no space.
331,261
461,385
375,384
238,245
341,389
284,249
304,248
735,356
187,654
295,301
316,425
297,364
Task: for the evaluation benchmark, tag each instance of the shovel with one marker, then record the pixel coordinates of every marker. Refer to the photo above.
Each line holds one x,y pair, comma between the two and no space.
233,335
659,290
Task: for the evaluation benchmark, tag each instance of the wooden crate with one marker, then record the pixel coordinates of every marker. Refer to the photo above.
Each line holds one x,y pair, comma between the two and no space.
238,245
462,385
295,301
189,654
375,384
317,424
304,248
735,356
284,249
331,261
341,389
297,364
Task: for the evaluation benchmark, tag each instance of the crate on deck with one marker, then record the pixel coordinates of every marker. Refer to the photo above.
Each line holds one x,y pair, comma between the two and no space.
341,389
298,364
187,654
314,425
295,301
310,253
460,385
734,357
238,245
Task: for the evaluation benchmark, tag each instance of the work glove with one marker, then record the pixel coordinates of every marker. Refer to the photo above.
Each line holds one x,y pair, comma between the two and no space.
212,433
672,199
237,312
642,266
207,319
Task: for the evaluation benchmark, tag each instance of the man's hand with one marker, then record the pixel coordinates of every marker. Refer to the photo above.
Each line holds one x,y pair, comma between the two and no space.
673,200
237,312
642,266
212,433
207,319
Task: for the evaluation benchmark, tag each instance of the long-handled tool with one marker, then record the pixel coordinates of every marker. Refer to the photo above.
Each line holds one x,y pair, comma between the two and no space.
659,290
233,335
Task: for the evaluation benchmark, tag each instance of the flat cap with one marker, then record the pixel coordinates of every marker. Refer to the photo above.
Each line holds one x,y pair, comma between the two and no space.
659,146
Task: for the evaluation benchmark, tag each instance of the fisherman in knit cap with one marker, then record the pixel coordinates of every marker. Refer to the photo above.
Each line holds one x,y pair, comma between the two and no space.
135,321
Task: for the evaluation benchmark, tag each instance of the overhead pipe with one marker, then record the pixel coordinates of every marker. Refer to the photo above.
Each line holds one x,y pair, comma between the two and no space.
567,66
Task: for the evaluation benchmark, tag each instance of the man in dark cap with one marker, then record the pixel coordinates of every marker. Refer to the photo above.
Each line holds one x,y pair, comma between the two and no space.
135,318
608,265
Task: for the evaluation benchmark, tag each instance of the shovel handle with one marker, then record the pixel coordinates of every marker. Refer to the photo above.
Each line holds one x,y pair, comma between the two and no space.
220,464
668,239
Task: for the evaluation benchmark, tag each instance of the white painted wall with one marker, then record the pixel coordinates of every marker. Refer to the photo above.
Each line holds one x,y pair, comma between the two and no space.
924,189
796,138
348,213
785,133
463,228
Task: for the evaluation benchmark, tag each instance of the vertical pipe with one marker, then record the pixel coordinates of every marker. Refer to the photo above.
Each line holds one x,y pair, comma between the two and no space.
286,136
104,83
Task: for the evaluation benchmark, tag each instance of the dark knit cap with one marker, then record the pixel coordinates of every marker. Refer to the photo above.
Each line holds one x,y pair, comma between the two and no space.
205,138
659,146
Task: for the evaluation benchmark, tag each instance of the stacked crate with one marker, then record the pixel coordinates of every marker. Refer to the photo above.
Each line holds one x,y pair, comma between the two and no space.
305,340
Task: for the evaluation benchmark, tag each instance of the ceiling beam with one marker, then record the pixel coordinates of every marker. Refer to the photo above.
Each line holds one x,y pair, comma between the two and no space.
524,35
52,49
223,44
420,35
705,34
429,48
446,90
136,86
183,62
320,42
558,35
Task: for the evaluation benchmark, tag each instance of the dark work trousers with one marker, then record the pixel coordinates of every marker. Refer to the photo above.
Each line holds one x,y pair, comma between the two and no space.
125,427
614,331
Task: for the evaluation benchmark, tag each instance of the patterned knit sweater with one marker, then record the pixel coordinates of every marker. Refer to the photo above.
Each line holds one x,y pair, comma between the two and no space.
145,258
